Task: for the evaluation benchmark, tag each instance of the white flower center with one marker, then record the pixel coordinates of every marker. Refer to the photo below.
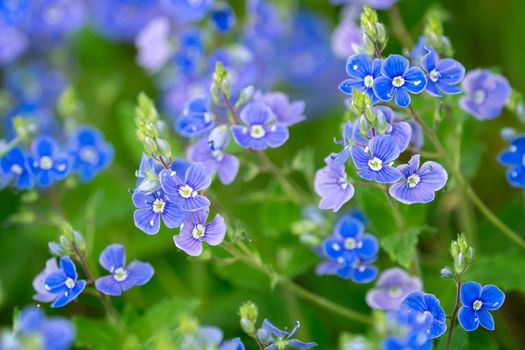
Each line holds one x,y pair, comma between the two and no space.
413,180
186,191
257,131
217,154
17,169
375,164
434,75
350,243
89,154
70,283
336,247
120,274
158,206
477,305
368,81
394,292
198,231
398,81
46,162
479,96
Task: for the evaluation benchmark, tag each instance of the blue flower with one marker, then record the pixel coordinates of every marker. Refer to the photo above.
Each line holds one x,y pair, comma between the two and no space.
359,271
153,45
261,131
185,193
185,11
122,277
42,294
46,162
277,339
90,152
149,169
476,303
15,168
13,42
151,207
286,112
422,305
223,17
209,337
362,71
64,283
408,330
195,230
376,165
442,75
232,344
514,158
398,79
419,184
486,94
332,185
196,119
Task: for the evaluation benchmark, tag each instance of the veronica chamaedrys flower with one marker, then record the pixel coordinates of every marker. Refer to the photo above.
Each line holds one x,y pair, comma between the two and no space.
442,74
476,303
285,112
346,38
122,277
153,46
194,231
486,94
42,294
149,169
398,79
90,151
151,207
274,338
421,305
46,161
362,71
419,184
261,130
186,11
374,161
15,168
64,283
223,17
185,192
13,42
195,119
332,185
391,288
514,159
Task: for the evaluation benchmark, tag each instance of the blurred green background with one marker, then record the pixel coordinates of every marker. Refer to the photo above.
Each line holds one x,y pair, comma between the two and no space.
487,33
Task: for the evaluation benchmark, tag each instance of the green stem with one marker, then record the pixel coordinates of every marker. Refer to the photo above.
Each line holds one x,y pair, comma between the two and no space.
7,147
398,27
454,313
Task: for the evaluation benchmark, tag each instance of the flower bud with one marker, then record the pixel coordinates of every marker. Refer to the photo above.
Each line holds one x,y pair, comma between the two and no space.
248,313
24,127
246,95
219,137
462,254
447,273
149,145
164,148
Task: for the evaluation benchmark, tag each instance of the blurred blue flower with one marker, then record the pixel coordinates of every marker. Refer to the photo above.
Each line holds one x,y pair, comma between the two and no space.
332,185
209,337
13,43
64,283
346,38
261,130
378,4
362,71
375,161
151,207
442,74
185,192
276,339
46,161
286,112
185,11
149,169
392,286
514,159
476,303
419,184
196,118
153,45
16,168
223,17
486,94
398,79
195,230
122,277
423,305
42,294
91,153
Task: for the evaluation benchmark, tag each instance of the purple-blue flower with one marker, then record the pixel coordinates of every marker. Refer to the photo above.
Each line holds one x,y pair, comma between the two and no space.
476,302
391,288
64,283
15,168
151,207
195,230
90,151
122,277
13,42
185,11
421,305
419,184
514,159
486,94
398,79
374,162
149,169
185,192
332,185
286,112
209,337
362,71
153,46
42,294
195,119
223,17
261,130
346,38
46,161
442,74
274,338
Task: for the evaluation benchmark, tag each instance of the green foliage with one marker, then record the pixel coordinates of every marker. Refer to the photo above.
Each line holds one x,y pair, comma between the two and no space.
402,246
504,269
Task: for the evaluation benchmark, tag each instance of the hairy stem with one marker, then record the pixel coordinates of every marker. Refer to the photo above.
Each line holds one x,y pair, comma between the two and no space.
454,313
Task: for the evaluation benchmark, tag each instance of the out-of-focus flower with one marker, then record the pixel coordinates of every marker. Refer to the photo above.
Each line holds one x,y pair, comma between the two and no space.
391,288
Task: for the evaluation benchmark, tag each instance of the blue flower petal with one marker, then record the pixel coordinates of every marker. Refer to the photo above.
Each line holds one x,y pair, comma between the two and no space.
415,80
486,319
170,181
429,61
451,72
387,175
348,227
394,66
139,273
383,88
256,113
449,89
468,319
113,257
432,89
276,135
147,220
108,285
470,292
369,247
270,328
402,97
359,66
188,244
195,203
349,84
197,177
68,266
54,282
364,274
172,215
360,157
401,133
215,231
384,147
492,297
301,345
241,135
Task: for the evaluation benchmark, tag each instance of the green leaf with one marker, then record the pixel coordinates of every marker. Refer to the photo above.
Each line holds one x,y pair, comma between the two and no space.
504,270
402,246
96,334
